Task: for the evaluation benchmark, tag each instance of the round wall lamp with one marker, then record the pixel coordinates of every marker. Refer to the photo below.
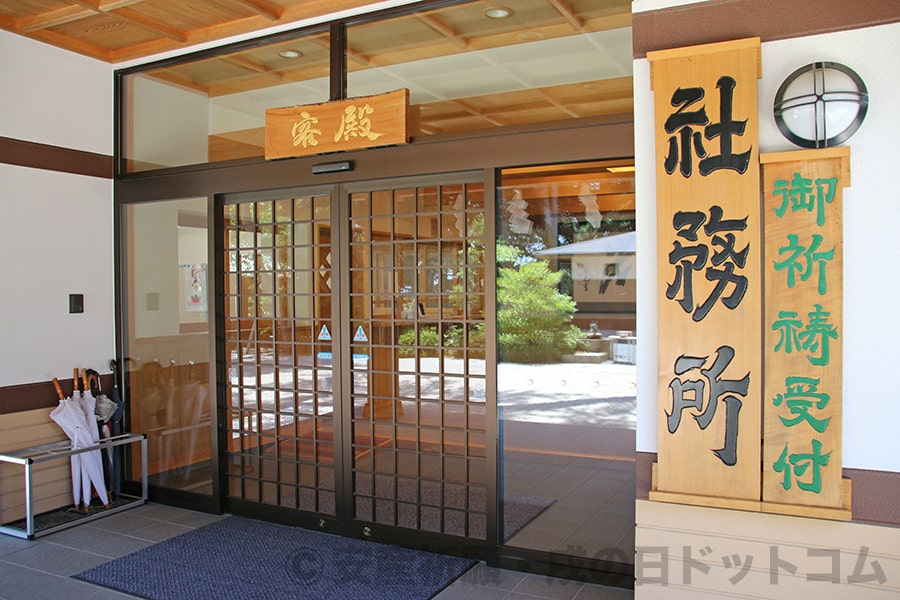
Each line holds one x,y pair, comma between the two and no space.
821,104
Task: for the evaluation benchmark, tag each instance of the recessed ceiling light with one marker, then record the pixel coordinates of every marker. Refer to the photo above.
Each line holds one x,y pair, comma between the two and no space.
289,53
497,12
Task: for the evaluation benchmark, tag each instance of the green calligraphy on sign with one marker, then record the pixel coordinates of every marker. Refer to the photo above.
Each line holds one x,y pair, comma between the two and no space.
814,337
789,326
800,194
797,465
800,261
800,396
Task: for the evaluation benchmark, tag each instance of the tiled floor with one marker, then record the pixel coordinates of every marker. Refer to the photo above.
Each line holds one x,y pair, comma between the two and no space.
40,569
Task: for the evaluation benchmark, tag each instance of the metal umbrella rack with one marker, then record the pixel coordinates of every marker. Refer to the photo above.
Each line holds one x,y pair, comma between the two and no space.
78,417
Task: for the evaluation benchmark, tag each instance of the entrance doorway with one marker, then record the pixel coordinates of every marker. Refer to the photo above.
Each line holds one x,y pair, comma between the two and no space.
354,355
566,373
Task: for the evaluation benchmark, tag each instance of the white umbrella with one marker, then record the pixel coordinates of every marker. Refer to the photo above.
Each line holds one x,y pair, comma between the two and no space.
70,418
91,462
87,467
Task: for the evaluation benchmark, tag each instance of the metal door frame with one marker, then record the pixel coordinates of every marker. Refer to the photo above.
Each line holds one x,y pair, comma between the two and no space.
344,521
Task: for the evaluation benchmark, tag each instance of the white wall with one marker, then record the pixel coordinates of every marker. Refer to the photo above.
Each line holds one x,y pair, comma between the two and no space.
55,228
871,241
55,97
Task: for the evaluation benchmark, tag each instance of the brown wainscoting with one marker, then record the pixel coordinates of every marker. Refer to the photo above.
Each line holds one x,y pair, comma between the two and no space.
875,493
720,20
54,158
32,396
644,474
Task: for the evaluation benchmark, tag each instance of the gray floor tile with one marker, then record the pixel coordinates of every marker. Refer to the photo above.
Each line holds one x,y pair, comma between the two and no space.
55,559
194,519
21,583
598,592
9,544
123,522
159,531
467,591
491,577
104,543
158,512
548,587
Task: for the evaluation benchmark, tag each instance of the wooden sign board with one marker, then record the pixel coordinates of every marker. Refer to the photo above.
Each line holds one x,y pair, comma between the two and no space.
710,273
803,216
353,124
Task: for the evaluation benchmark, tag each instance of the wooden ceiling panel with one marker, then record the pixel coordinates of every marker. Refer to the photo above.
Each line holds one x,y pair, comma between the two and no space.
118,30
189,16
107,30
31,8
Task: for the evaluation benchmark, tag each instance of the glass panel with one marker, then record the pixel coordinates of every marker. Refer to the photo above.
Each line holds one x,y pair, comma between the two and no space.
410,434
167,374
566,376
213,109
468,67
281,368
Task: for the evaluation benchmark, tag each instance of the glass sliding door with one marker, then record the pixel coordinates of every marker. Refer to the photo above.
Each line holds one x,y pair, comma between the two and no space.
166,349
355,355
278,355
566,373
417,322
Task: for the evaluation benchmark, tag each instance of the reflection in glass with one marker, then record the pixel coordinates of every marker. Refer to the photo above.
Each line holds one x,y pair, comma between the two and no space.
565,398
167,346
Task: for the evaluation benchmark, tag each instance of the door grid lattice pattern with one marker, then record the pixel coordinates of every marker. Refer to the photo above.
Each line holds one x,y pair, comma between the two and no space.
418,369
278,353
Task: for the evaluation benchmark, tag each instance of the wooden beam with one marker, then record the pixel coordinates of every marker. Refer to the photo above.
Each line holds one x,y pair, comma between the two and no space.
357,57
568,14
443,29
52,18
297,12
177,79
109,5
71,44
135,18
268,10
252,65
100,6
94,5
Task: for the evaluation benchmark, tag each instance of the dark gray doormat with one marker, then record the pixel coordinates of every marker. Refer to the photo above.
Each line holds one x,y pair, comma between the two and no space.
241,559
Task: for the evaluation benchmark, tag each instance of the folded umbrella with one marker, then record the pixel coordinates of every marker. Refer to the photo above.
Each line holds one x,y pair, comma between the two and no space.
116,424
69,417
92,462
